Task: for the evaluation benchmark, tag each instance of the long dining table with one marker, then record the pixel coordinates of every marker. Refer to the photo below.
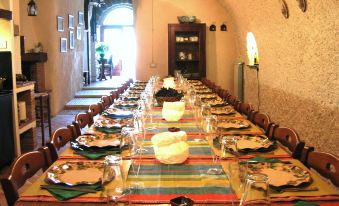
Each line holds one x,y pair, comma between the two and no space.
159,183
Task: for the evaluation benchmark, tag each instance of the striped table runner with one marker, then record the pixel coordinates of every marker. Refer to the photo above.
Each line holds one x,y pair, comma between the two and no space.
158,183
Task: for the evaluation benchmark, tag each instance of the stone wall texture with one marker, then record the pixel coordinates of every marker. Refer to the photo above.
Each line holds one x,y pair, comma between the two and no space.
298,76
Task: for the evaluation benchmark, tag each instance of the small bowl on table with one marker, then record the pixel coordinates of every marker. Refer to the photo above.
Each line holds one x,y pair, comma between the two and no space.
181,201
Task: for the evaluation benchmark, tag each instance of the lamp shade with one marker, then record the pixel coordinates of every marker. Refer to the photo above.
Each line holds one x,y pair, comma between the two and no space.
32,8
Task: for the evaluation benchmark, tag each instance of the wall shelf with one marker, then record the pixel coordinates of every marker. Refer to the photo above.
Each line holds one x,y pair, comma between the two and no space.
253,66
6,14
29,124
34,57
25,87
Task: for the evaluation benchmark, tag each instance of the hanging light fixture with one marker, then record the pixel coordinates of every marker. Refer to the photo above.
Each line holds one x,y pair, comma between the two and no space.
32,9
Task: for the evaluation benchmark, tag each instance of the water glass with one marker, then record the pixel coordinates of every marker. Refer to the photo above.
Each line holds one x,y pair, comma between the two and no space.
118,194
256,191
229,145
112,168
139,120
206,109
127,137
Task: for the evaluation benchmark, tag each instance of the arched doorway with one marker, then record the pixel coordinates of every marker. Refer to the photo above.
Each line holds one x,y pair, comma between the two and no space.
117,31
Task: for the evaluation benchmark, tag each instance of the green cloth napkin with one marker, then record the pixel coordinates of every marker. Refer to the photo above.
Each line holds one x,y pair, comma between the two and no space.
108,130
93,155
62,195
305,203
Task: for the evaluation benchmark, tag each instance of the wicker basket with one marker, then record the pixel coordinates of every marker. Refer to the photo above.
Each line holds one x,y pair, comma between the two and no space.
161,100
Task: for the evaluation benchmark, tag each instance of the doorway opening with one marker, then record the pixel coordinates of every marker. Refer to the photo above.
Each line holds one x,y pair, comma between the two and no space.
117,32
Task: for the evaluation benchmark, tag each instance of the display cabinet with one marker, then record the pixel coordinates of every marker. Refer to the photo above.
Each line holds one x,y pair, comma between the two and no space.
187,50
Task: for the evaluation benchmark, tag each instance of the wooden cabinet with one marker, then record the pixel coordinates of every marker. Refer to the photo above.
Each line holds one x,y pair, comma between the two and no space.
187,50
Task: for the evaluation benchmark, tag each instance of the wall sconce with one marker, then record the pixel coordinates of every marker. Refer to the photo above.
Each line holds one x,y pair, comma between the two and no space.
223,27
32,9
213,27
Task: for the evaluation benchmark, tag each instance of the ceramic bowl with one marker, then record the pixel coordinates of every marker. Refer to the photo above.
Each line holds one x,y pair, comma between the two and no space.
186,19
180,201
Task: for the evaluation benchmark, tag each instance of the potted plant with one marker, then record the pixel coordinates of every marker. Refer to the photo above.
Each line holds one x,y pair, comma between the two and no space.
101,50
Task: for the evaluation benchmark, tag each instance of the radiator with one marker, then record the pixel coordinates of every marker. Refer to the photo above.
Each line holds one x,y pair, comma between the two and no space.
239,80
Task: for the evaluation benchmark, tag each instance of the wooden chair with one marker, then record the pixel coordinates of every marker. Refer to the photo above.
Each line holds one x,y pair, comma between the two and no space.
261,119
106,101
114,95
304,154
23,168
60,138
326,164
94,110
224,94
231,99
245,109
82,120
290,139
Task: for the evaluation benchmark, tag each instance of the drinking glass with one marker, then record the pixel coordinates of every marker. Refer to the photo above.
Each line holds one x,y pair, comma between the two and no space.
206,109
256,191
127,138
210,128
198,119
113,167
148,110
116,194
229,145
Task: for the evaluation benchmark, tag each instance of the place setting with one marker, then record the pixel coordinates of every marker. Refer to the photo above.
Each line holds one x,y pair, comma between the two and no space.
99,181
95,147
117,113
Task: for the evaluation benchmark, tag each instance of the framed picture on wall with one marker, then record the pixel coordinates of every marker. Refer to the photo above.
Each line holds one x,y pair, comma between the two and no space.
78,33
63,45
71,21
71,40
81,18
60,23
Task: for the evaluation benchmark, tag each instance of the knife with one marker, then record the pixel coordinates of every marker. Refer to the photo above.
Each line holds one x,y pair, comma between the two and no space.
277,190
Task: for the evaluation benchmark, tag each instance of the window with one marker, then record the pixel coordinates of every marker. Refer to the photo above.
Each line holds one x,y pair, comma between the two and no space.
252,49
120,16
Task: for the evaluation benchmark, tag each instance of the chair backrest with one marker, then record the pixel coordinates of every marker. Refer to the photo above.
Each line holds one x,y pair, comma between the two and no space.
24,167
326,164
245,108
60,138
231,99
290,139
114,95
93,110
261,119
224,94
83,119
106,101
304,154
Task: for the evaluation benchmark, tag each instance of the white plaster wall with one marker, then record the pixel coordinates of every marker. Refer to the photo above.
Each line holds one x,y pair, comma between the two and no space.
63,70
